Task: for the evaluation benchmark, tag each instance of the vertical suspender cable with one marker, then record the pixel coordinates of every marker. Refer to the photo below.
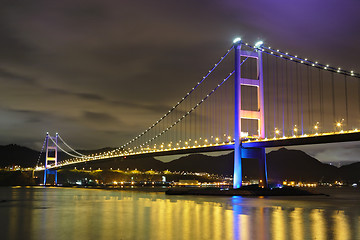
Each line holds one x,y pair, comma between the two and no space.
220,114
227,100
283,100
191,120
292,101
186,127
321,100
333,96
297,95
216,116
251,96
209,118
267,91
358,81
301,101
346,104
195,119
213,117
274,88
181,129
287,92
202,116
309,95
277,91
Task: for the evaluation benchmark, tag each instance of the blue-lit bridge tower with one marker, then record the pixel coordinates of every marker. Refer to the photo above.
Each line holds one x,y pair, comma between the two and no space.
51,156
239,114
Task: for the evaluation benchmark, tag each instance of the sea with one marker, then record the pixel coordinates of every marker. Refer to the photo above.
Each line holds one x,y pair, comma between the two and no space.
84,214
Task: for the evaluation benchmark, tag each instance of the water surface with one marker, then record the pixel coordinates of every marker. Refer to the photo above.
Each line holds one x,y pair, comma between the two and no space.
72,213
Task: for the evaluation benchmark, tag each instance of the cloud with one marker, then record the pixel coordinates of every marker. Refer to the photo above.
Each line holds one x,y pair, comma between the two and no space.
338,155
332,152
152,107
90,96
101,118
18,78
110,69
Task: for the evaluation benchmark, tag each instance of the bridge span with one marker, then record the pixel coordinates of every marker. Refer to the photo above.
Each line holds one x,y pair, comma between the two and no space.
261,98
345,136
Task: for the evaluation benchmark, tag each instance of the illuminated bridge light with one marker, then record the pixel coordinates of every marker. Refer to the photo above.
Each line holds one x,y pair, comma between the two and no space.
237,40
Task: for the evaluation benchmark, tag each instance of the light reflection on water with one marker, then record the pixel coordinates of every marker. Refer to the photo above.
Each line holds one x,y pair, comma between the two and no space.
59,213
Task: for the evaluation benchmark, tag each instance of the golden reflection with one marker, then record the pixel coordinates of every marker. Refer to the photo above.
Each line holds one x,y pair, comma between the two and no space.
186,217
244,226
341,229
160,214
297,224
197,221
13,220
79,214
228,224
206,220
278,224
169,220
260,224
218,222
318,224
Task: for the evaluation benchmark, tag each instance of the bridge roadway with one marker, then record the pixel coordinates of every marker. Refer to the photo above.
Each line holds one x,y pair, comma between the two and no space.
344,136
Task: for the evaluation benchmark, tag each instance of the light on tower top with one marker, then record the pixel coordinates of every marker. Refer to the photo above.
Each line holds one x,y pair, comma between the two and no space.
237,40
259,44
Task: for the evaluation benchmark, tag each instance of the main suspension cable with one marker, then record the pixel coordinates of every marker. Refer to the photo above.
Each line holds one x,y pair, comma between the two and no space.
197,105
178,103
42,149
70,147
63,149
287,56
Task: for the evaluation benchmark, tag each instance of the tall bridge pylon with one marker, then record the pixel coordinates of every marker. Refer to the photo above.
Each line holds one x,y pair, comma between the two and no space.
51,156
239,113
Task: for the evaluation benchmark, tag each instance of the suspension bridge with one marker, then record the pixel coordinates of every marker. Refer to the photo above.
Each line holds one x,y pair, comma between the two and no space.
260,97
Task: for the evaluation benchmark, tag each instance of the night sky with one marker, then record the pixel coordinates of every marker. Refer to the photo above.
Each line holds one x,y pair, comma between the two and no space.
101,72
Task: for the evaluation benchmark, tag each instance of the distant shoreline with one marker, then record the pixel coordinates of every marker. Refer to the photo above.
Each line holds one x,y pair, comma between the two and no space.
317,191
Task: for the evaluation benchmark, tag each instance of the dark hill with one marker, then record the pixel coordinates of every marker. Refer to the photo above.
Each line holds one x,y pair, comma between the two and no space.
122,163
350,172
297,165
203,163
13,154
282,164
221,165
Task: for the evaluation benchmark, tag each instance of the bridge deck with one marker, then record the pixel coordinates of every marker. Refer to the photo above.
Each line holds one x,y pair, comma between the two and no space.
306,140
265,143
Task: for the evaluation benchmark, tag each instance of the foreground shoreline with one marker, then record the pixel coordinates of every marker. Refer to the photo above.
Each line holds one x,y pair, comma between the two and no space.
248,191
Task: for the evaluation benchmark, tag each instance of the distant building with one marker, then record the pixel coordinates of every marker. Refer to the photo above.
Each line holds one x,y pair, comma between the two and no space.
188,182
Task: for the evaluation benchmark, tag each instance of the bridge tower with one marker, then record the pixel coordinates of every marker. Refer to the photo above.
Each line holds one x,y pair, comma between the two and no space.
239,151
51,156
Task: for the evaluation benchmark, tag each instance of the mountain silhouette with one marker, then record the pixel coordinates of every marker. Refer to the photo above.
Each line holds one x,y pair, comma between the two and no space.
297,165
13,154
282,164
